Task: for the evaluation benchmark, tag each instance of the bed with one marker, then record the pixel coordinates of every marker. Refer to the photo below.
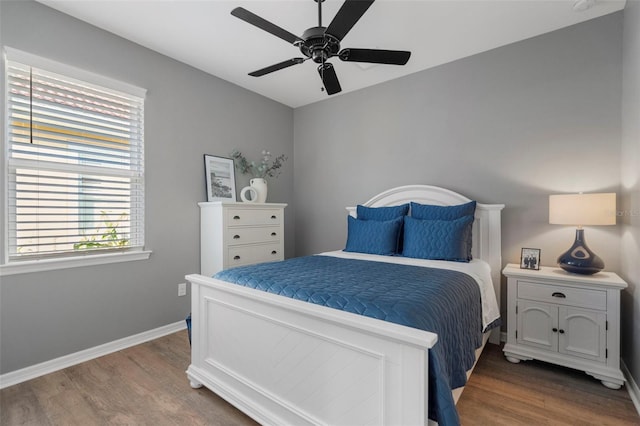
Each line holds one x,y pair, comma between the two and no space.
286,361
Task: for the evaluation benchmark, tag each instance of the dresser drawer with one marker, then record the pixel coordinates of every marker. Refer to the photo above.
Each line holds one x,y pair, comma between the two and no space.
245,255
579,297
247,235
241,217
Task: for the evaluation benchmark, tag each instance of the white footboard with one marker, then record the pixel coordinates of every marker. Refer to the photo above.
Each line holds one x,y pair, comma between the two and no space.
284,361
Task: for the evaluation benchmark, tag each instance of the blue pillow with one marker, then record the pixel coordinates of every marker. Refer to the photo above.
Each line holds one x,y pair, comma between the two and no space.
432,212
438,239
373,236
382,213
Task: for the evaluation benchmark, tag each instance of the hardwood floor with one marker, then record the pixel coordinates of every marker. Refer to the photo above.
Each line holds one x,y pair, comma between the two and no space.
142,385
537,393
147,385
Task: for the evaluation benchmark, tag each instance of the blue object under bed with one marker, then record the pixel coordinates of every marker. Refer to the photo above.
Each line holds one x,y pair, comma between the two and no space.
441,301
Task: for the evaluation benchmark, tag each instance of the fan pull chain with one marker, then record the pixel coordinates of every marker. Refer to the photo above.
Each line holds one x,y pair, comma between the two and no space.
322,73
320,24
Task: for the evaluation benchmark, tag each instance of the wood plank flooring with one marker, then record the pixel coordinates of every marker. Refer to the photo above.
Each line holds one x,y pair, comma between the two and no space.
537,393
147,385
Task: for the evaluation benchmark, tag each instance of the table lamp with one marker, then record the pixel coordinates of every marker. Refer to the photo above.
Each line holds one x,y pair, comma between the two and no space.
580,210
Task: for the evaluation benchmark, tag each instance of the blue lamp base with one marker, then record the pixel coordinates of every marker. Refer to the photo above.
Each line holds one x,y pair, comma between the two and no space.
579,259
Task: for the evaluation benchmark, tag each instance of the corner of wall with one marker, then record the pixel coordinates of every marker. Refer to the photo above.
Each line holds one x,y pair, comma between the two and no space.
629,209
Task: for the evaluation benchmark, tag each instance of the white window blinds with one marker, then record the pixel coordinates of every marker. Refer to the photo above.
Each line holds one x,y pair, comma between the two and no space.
75,166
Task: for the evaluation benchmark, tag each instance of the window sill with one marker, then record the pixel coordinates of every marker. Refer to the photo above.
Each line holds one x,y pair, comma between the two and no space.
41,265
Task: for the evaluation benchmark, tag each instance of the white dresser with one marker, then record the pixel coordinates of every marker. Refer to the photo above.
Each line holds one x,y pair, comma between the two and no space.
234,234
567,319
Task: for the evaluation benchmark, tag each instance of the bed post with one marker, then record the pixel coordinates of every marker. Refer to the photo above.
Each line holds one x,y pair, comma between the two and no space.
487,240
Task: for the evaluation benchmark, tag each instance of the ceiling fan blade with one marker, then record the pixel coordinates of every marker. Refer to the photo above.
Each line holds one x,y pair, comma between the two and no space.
253,19
329,78
276,67
350,12
375,56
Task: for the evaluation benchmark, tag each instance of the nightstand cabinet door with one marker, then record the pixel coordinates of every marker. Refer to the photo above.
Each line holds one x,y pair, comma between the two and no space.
537,325
583,333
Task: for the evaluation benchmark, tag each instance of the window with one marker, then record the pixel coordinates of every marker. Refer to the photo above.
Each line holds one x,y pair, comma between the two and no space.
75,162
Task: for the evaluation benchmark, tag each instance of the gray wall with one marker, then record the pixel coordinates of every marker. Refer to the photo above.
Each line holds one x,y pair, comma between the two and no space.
630,190
511,125
188,114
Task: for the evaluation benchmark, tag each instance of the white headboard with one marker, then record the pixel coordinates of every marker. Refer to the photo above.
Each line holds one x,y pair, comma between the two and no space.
486,226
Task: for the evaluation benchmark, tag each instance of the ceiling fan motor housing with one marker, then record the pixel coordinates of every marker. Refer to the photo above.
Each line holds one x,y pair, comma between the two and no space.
318,45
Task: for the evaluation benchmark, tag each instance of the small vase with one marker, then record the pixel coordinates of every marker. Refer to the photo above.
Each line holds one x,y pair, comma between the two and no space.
260,185
258,189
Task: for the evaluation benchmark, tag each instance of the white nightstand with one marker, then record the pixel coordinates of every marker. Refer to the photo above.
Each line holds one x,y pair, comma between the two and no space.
567,319
236,234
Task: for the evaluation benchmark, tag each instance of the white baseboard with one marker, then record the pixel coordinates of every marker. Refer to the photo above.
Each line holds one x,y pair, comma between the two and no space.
28,373
632,386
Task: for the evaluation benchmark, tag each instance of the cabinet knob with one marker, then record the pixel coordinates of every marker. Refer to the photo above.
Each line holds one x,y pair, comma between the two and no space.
558,294
236,217
236,257
274,252
555,330
236,237
561,331
273,234
273,216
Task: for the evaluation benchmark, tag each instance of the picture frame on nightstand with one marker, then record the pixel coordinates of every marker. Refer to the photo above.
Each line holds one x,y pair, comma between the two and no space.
530,258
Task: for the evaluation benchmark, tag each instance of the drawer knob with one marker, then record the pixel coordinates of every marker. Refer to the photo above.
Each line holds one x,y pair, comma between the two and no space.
236,237
236,257
236,217
558,294
273,216
273,234
274,252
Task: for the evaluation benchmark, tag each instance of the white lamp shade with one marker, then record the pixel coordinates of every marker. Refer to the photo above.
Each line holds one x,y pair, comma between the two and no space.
582,209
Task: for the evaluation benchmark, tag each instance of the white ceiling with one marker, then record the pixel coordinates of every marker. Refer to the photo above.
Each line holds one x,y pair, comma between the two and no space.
203,34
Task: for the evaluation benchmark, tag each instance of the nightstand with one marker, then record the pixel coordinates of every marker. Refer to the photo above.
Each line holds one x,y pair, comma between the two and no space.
566,319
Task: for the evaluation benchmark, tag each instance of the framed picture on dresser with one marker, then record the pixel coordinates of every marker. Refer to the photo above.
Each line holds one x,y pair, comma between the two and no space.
220,178
530,258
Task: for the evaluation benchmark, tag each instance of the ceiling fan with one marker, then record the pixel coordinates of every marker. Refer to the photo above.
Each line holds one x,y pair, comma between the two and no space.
322,43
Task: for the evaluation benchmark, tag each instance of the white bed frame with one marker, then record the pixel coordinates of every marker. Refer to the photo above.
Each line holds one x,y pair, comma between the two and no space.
283,361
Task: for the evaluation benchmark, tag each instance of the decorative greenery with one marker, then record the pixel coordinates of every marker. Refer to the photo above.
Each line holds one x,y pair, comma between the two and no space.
262,169
108,238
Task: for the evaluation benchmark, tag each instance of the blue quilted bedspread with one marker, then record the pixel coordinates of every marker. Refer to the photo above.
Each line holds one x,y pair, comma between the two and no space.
441,301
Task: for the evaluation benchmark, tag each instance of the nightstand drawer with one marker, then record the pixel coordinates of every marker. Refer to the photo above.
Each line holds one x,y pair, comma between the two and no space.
241,217
246,255
579,297
263,234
